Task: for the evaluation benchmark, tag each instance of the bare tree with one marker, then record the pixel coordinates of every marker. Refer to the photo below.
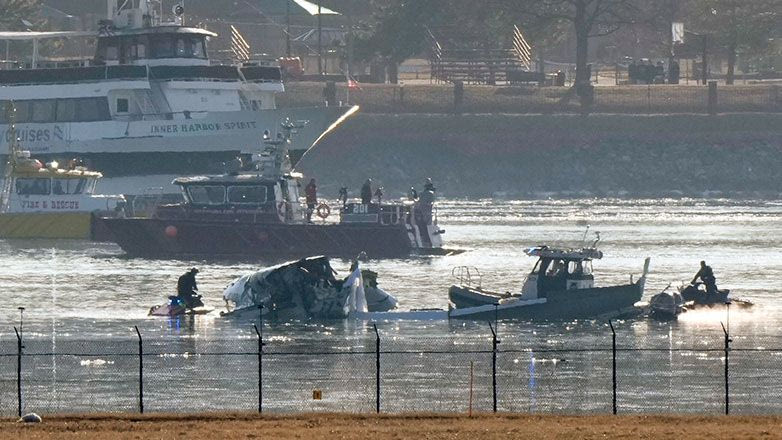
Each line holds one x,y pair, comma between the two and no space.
589,18
736,25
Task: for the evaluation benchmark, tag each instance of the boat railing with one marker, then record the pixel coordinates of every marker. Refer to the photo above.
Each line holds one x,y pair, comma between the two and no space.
467,276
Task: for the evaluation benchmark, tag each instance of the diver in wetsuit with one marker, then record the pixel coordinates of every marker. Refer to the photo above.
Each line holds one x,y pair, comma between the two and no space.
707,277
187,290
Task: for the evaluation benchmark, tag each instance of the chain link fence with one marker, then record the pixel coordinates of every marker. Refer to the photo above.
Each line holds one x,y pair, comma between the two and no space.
453,373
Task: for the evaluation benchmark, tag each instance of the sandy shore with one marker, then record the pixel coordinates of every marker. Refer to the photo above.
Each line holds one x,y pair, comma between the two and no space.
363,427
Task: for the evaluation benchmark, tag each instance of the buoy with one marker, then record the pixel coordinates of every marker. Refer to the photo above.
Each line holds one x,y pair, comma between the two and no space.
171,231
323,210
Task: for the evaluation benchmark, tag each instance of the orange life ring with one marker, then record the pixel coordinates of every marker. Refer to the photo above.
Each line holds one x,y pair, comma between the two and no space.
323,210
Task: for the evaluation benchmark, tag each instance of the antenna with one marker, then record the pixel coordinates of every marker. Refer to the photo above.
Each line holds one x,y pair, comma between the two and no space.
586,231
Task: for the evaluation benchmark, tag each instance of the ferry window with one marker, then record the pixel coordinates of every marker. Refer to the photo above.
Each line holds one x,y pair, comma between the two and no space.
43,110
111,52
22,111
198,48
92,109
161,47
66,110
247,194
141,51
180,47
207,195
122,105
33,186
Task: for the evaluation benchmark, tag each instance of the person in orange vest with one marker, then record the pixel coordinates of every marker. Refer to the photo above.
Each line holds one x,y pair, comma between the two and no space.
311,194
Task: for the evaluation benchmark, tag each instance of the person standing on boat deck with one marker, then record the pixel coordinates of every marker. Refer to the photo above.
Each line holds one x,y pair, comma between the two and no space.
379,195
426,202
343,195
311,193
186,287
707,276
366,192
413,194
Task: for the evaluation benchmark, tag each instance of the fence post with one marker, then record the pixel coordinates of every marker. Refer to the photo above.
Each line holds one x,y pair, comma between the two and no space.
19,347
712,107
494,343
727,350
259,332
377,369
613,366
140,372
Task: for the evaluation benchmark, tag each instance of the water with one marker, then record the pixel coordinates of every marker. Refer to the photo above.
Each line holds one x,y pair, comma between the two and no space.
83,299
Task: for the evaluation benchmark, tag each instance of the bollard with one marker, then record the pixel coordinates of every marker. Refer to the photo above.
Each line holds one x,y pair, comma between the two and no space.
18,371
377,369
613,366
712,105
140,372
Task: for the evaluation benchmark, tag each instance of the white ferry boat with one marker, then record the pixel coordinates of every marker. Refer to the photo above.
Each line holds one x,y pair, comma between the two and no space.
151,104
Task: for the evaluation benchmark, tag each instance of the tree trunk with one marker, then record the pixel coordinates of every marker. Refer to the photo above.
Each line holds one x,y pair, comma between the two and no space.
582,44
731,63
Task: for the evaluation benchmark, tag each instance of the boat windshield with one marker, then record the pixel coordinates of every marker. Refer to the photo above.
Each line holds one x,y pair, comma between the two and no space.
68,186
206,194
579,267
36,186
245,194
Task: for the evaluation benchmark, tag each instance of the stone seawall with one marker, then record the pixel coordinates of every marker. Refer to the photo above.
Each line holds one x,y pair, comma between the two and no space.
738,155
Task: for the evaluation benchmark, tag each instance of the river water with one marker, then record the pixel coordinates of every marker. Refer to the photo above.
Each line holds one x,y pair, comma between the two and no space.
82,300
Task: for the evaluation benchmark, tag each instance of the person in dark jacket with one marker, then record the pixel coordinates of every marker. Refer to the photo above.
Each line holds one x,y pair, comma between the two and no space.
343,195
187,290
311,194
366,192
707,277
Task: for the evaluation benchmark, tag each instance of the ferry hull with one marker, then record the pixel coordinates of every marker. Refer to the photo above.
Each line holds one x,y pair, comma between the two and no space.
156,238
74,225
131,151
559,305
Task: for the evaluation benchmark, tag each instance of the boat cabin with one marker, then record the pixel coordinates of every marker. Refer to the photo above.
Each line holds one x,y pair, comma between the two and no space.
242,196
559,269
35,187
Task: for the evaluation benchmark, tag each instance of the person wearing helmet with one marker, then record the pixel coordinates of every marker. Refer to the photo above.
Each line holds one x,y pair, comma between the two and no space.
187,290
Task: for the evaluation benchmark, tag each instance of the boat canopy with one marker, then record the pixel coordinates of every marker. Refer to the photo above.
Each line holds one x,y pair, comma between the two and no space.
248,177
565,254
